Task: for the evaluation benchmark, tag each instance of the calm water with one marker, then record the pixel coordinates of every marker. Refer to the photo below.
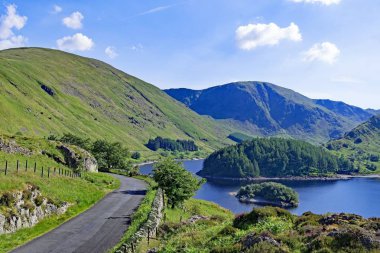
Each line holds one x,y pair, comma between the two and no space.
359,195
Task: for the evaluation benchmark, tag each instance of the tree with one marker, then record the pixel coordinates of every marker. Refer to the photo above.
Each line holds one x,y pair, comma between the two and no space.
136,155
177,183
110,155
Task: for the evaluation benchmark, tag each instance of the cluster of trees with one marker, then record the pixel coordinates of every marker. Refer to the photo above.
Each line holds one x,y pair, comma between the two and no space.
177,183
274,157
109,155
270,191
171,145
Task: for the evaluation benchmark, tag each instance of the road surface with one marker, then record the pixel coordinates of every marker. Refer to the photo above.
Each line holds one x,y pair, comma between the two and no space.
96,230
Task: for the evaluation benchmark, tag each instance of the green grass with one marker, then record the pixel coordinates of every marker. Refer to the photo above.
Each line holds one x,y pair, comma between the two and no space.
93,99
82,193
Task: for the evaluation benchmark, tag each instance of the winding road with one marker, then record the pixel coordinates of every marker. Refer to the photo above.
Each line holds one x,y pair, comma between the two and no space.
96,230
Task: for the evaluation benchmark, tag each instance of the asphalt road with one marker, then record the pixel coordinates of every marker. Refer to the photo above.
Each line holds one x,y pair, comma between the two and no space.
96,230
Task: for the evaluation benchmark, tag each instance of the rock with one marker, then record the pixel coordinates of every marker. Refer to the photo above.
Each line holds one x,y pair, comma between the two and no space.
11,147
26,215
353,236
79,158
251,239
341,219
196,218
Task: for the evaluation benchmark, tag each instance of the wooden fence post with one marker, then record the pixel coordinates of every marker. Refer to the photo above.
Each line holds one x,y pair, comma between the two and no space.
49,172
42,172
6,167
35,167
17,166
55,170
26,165
148,235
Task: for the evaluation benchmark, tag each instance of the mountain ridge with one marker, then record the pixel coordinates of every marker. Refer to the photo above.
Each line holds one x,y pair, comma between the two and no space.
268,109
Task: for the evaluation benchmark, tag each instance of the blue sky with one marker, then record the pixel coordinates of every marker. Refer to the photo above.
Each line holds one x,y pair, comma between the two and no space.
320,48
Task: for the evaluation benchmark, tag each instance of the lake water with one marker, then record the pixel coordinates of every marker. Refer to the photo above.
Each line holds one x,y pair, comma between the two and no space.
360,195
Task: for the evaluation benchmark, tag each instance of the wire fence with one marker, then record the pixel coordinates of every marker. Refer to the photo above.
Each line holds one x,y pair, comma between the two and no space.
11,168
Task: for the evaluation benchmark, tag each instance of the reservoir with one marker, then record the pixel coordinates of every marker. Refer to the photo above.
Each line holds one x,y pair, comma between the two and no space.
358,195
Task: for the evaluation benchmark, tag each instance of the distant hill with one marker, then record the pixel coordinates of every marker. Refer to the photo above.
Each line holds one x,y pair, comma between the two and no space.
44,91
361,145
267,109
354,113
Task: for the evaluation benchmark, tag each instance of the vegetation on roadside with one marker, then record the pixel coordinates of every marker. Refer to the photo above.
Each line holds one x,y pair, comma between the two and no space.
274,157
177,183
108,155
81,193
270,229
268,193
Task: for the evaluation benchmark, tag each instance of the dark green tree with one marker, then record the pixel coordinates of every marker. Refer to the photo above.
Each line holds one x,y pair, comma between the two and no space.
178,184
110,155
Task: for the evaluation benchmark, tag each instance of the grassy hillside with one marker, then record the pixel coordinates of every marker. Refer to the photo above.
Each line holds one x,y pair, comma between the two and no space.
45,92
361,145
267,109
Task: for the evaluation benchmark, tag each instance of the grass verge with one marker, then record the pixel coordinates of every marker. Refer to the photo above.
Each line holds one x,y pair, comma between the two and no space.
82,193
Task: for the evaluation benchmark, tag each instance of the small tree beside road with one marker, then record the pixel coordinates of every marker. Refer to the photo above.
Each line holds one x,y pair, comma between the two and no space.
178,183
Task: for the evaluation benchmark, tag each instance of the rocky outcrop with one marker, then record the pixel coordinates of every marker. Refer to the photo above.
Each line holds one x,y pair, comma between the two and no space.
149,227
11,147
78,158
251,239
23,209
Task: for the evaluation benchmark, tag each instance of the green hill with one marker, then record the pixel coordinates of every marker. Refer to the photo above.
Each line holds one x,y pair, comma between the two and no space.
273,157
361,145
44,92
267,109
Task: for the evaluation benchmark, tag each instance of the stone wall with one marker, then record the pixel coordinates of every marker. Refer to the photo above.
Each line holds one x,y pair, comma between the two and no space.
24,209
78,158
150,226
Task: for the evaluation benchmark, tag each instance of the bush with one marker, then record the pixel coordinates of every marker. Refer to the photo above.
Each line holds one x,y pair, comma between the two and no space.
136,155
259,214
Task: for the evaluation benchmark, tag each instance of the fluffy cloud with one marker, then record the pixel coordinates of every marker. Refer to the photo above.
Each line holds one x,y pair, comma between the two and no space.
8,23
11,21
14,41
325,52
73,21
111,52
77,42
252,36
56,9
324,2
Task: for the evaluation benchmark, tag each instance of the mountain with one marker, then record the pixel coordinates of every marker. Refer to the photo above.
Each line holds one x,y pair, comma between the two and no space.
354,113
44,92
361,145
267,109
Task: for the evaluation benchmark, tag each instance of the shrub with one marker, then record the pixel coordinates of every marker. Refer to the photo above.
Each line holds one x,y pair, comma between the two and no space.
259,214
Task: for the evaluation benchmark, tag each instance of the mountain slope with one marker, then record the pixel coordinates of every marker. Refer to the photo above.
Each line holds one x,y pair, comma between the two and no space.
354,113
362,144
268,109
44,91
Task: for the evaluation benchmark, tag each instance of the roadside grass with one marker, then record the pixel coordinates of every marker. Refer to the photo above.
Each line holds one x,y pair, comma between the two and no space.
81,193
142,213
174,234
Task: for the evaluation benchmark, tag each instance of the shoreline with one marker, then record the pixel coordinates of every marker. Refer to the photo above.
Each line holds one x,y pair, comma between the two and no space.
296,178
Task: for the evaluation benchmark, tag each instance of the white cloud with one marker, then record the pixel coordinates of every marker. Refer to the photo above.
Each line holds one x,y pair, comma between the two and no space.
73,21
14,41
11,21
77,42
324,2
56,9
8,23
252,36
325,52
111,52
